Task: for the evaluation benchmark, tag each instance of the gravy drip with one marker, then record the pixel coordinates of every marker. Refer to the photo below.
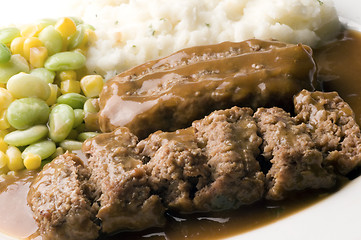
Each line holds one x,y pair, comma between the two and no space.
339,64
339,67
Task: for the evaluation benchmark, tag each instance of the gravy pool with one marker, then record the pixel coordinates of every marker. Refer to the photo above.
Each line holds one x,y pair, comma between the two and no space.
339,64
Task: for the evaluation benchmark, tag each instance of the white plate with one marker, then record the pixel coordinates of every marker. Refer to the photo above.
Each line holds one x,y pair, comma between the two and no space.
335,218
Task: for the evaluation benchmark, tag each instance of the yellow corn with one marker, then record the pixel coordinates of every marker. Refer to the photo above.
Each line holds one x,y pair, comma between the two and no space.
3,133
3,145
5,99
17,45
32,161
91,36
69,86
15,162
38,55
31,42
67,75
91,85
53,94
2,85
32,30
3,160
66,27
4,124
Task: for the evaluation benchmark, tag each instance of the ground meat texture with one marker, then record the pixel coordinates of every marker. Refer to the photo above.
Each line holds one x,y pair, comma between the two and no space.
230,142
209,166
61,199
170,93
332,126
177,167
126,201
296,163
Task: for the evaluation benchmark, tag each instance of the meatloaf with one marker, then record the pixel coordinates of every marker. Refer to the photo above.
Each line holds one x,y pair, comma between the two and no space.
296,162
61,198
126,200
332,126
212,165
170,93
209,166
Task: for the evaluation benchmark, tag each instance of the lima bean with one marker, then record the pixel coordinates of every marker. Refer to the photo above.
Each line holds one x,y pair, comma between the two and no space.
51,39
5,53
8,34
76,39
61,121
86,135
26,137
65,61
71,145
16,64
26,112
74,100
43,73
24,85
79,117
43,148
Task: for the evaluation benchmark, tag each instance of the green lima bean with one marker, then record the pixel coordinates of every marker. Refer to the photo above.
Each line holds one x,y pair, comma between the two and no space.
16,65
65,61
51,39
26,137
26,112
86,135
24,85
61,122
74,100
8,34
5,53
71,145
43,148
44,74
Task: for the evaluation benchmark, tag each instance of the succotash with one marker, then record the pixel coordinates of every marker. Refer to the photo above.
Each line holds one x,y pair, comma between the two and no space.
44,93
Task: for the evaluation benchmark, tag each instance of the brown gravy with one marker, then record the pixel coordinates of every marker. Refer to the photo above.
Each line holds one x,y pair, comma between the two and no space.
339,63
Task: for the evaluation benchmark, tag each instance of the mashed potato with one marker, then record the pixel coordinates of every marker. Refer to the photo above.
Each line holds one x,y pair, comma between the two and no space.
131,32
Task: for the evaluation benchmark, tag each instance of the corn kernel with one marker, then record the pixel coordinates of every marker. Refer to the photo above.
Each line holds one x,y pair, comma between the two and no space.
32,161
3,133
92,37
17,45
31,30
54,89
29,43
69,86
3,160
38,55
5,99
67,75
4,124
66,27
92,85
15,162
3,145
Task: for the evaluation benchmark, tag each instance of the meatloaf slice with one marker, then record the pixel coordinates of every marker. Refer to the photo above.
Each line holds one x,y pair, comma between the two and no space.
209,166
230,142
169,93
177,167
61,199
296,163
126,201
331,123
